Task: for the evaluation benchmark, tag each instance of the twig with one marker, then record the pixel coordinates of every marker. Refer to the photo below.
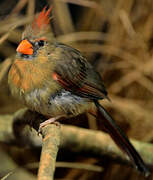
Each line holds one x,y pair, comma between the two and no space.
83,166
14,22
82,36
31,8
82,3
10,170
66,23
74,165
19,6
7,175
50,146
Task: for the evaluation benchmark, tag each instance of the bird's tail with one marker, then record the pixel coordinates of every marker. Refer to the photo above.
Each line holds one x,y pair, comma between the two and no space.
121,140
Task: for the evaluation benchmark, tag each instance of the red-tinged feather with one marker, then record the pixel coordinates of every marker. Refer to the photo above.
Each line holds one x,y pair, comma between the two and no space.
85,91
56,77
42,20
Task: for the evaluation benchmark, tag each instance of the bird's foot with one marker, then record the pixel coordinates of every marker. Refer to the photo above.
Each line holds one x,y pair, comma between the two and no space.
49,121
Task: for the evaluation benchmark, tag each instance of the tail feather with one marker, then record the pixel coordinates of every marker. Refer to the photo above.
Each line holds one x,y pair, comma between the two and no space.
121,140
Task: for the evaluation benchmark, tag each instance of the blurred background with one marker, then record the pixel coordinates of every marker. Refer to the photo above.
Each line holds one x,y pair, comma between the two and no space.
117,38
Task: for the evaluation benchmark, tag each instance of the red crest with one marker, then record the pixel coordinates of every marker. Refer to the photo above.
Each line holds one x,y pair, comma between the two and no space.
42,20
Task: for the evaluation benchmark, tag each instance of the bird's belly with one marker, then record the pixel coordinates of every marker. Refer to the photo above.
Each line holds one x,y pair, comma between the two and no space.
60,103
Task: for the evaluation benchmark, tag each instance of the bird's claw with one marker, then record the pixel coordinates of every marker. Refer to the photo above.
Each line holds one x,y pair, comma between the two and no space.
49,121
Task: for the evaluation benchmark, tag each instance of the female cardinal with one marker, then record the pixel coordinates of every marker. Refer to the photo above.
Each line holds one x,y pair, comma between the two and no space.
57,81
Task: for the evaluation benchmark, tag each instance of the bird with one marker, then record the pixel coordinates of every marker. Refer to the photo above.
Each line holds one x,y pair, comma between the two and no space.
57,81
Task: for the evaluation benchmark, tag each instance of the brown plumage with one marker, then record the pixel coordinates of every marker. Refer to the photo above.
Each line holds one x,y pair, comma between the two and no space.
57,81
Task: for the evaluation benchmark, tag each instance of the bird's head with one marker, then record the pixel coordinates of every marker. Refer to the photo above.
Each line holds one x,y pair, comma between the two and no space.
36,36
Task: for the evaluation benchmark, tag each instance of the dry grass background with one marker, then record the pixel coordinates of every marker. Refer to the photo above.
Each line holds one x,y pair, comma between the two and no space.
117,38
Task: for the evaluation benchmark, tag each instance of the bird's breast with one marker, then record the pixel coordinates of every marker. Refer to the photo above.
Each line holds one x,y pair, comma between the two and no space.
26,76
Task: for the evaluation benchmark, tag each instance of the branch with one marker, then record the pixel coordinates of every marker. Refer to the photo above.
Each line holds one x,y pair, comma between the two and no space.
100,144
50,146
50,140
72,138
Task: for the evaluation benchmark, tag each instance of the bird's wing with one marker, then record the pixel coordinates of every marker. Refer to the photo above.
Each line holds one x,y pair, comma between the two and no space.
75,74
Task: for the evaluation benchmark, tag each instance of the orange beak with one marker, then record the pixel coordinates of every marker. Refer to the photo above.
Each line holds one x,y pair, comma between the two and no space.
25,47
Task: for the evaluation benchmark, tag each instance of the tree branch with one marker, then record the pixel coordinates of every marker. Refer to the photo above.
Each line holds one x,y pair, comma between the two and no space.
50,140
50,146
73,138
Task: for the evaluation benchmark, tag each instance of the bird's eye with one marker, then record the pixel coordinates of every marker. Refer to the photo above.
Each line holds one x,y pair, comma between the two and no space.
41,43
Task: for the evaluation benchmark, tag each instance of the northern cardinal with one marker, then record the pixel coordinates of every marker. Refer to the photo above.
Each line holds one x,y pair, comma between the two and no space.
57,81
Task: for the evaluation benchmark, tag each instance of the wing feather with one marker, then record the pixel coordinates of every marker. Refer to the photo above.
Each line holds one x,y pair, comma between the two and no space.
74,73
